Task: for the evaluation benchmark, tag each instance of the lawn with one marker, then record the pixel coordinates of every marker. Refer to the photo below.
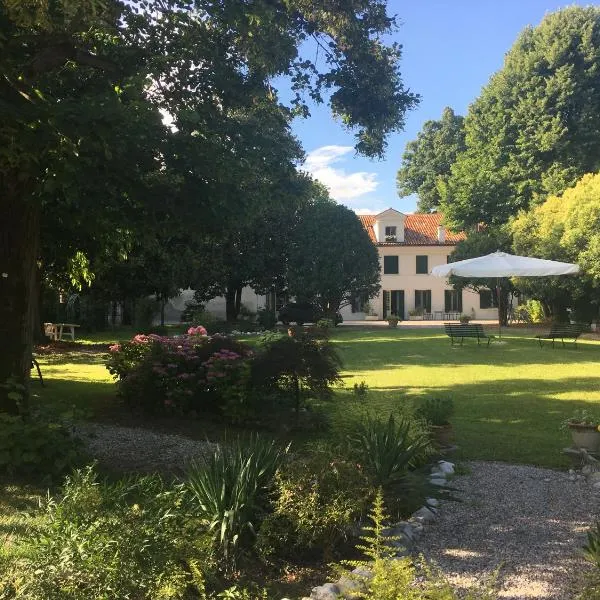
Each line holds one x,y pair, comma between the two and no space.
509,398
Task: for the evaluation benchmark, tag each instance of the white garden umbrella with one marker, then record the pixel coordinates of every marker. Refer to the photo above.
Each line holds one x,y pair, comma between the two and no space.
501,264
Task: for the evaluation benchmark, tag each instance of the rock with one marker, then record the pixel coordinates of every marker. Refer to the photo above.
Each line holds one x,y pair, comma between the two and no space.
350,588
446,467
596,486
417,529
437,481
432,502
327,591
363,572
438,475
594,477
424,514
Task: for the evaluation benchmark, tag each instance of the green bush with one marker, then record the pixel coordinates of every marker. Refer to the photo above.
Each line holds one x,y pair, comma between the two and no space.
316,502
230,491
37,446
436,411
267,318
128,539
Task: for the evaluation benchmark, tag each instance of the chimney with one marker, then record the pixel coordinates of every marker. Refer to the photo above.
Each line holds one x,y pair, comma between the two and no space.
441,232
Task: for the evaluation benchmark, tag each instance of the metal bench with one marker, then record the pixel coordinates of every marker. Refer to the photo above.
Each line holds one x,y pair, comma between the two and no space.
562,331
461,331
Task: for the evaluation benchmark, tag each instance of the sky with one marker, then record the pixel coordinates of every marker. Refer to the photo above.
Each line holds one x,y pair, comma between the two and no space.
450,50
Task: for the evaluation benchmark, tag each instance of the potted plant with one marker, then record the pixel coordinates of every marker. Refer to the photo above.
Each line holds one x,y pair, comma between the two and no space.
393,320
584,430
437,413
464,319
415,314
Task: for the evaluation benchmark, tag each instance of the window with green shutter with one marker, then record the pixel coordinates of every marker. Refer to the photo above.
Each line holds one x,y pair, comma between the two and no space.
452,301
390,265
422,265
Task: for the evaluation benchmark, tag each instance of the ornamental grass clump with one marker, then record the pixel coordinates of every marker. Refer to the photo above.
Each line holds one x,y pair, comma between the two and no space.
230,493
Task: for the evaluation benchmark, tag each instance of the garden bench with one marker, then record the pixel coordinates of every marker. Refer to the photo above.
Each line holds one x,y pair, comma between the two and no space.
562,331
56,331
465,330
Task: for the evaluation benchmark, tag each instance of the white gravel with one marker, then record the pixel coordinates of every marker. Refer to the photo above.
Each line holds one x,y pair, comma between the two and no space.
528,521
140,450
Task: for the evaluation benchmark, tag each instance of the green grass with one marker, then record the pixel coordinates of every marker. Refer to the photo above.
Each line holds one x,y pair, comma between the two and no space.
509,398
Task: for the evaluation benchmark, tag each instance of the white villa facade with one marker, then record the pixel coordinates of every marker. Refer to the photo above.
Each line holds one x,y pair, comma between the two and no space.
409,246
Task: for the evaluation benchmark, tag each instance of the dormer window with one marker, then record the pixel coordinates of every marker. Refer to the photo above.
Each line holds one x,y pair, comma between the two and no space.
390,234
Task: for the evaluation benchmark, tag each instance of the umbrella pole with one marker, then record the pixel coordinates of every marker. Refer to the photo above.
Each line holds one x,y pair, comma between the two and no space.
498,292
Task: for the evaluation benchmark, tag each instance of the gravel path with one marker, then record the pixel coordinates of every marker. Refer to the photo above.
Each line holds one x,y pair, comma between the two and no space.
140,450
529,521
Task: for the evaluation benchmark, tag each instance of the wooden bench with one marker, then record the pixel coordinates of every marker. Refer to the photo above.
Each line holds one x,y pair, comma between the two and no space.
461,331
562,331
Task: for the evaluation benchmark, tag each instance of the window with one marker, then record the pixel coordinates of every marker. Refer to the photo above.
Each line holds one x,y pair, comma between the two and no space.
487,299
422,266
390,234
390,265
452,301
423,300
359,302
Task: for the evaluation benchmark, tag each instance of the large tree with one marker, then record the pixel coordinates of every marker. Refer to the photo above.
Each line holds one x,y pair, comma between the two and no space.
565,227
81,139
535,128
427,161
331,257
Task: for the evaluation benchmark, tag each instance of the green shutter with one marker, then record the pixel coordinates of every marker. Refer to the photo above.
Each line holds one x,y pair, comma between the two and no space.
422,265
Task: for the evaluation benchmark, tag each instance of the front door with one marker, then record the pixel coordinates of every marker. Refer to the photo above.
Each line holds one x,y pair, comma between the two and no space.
393,303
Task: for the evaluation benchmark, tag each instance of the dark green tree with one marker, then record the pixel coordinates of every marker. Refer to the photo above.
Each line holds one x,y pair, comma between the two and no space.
535,128
427,161
331,257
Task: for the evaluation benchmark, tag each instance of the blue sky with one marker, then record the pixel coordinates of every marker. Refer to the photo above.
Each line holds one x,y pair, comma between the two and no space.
450,50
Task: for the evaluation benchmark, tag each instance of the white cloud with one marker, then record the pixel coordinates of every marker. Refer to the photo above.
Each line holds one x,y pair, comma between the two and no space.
343,186
366,211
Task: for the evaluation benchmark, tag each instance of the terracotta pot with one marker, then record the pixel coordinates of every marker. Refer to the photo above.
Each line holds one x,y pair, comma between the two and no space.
585,436
443,434
393,323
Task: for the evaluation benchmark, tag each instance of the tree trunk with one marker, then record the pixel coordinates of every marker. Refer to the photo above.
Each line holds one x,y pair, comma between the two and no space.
162,311
19,247
230,304
238,301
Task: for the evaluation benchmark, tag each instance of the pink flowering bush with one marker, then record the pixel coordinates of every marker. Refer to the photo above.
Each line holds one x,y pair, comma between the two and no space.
195,373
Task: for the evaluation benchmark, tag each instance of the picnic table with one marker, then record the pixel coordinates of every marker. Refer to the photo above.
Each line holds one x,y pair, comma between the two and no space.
56,331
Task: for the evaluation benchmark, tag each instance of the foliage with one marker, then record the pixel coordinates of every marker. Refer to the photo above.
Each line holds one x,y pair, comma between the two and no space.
393,319
331,274
126,539
581,417
395,578
76,79
361,390
591,550
145,310
436,411
317,500
267,318
230,493
464,318
192,373
532,311
427,161
37,447
534,130
564,227
390,451
297,364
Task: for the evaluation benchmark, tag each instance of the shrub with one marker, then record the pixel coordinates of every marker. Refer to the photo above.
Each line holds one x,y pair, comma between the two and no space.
391,451
361,390
436,411
145,310
112,540
299,365
37,446
316,502
193,373
267,318
230,493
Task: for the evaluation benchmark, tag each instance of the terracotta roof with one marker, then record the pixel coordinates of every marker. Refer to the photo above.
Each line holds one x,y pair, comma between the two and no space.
419,230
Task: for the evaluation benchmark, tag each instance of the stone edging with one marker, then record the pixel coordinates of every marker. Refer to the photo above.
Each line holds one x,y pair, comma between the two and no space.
407,532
